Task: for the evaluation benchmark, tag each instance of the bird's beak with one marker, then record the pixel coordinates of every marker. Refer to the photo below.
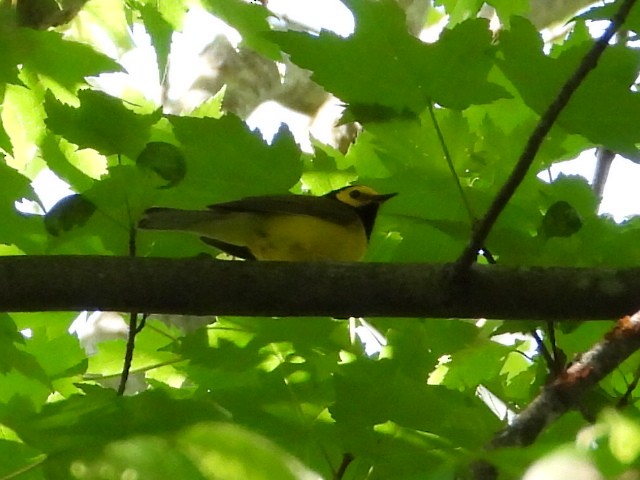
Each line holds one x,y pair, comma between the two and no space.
380,198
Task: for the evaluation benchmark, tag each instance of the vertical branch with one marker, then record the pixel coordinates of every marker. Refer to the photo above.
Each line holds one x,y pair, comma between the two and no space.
347,458
128,354
604,159
134,328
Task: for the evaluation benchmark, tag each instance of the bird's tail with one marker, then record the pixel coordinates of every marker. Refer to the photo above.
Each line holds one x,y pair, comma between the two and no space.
159,218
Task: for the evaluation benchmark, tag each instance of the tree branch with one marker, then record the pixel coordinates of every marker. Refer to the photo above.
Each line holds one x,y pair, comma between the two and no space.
203,287
589,62
567,390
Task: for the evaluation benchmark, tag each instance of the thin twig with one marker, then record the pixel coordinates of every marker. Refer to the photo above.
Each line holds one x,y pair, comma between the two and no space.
347,458
544,351
559,357
145,369
588,63
134,328
452,168
128,354
624,400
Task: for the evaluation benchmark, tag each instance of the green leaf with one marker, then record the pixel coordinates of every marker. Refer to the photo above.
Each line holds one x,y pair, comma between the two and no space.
110,17
10,58
16,358
603,109
41,52
460,10
561,220
64,160
164,159
160,31
225,450
399,399
24,231
19,459
103,216
407,74
82,424
226,160
508,8
480,363
211,107
102,122
60,356
5,141
23,120
250,19
148,456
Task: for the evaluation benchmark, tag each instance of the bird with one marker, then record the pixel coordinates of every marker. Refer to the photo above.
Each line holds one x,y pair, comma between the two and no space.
333,227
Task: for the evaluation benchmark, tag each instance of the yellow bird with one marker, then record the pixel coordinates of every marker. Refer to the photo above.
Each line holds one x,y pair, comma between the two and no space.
334,227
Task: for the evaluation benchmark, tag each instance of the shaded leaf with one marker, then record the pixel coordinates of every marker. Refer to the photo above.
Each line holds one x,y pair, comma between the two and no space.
603,109
164,159
101,122
16,358
225,450
70,212
561,220
42,51
407,74
85,423
225,159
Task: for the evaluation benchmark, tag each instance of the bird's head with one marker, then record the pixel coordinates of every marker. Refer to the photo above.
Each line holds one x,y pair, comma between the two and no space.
359,196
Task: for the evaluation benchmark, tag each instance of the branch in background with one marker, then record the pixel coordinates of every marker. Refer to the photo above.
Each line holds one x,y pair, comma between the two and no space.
589,62
566,391
545,14
203,287
604,159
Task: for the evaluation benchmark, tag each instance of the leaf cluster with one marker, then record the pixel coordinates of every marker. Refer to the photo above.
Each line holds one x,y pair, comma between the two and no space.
442,124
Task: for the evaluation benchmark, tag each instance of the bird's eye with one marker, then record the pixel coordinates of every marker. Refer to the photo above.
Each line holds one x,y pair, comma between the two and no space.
355,194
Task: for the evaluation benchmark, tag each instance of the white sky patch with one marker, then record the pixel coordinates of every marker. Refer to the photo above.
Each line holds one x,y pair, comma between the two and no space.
269,116
330,15
620,197
198,30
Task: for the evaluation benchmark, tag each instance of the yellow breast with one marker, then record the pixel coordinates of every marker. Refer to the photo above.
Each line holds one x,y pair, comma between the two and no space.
300,238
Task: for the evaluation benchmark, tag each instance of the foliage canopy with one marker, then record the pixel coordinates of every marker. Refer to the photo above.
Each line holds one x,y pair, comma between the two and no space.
442,123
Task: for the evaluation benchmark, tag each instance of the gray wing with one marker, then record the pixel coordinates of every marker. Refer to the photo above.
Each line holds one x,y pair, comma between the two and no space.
321,207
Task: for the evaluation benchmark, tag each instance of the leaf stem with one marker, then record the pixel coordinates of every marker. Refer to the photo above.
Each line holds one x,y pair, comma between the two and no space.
95,376
452,168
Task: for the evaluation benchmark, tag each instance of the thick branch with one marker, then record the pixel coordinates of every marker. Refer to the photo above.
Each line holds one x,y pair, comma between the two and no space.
568,389
203,287
589,62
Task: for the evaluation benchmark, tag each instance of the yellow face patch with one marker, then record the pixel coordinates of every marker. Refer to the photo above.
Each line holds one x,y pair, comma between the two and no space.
357,196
